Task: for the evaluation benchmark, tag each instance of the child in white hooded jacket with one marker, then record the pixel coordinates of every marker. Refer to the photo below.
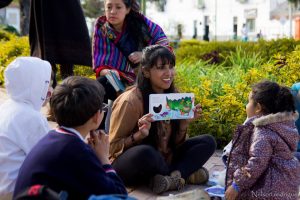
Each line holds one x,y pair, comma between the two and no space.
22,125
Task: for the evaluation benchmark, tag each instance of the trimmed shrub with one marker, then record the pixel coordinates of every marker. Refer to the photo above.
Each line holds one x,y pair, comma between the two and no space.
223,91
10,49
218,73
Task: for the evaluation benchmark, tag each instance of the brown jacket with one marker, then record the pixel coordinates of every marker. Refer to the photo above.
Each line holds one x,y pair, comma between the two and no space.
262,161
126,111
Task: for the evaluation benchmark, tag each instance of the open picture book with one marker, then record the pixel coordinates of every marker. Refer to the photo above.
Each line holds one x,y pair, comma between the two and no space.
171,106
117,84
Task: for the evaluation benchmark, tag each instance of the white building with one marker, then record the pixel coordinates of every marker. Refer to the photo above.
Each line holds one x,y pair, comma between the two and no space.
223,18
10,15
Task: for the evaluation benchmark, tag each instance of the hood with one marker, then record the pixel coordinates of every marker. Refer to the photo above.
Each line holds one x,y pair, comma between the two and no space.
283,124
27,80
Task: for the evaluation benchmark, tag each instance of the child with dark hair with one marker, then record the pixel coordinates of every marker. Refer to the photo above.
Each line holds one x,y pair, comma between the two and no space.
261,163
145,151
62,160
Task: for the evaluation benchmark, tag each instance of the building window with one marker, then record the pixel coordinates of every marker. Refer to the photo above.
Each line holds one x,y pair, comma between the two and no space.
200,4
235,27
2,16
235,20
12,18
251,25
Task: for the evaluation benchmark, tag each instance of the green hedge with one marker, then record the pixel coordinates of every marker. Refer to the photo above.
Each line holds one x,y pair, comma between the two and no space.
217,52
223,90
219,73
11,46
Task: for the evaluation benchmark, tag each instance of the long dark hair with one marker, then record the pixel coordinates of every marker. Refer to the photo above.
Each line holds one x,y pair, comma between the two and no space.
150,57
136,25
272,97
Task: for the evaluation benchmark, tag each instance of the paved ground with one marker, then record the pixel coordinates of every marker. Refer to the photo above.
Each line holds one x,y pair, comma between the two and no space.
143,192
213,164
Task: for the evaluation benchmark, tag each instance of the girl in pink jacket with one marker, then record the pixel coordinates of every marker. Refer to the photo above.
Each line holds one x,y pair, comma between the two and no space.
261,164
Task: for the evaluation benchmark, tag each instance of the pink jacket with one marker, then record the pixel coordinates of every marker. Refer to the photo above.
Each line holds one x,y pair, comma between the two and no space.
262,162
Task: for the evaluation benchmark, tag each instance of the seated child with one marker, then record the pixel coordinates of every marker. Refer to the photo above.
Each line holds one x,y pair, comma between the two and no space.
22,125
261,164
62,160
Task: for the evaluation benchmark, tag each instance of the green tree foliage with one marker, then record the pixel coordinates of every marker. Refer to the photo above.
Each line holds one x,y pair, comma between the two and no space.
93,8
295,2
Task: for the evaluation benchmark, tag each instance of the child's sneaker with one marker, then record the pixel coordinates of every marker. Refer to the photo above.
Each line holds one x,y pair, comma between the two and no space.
198,177
162,183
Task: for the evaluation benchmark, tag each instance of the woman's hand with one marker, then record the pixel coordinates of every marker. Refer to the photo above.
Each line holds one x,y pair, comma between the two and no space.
197,111
135,57
99,142
106,71
144,125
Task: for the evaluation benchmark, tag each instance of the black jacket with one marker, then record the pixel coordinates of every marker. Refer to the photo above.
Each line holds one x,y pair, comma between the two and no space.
58,32
4,3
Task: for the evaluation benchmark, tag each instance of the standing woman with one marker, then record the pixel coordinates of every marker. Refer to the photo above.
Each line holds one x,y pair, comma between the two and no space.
142,150
58,33
119,38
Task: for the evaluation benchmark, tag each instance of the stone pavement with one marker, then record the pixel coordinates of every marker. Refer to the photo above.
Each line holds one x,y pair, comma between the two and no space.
213,164
143,192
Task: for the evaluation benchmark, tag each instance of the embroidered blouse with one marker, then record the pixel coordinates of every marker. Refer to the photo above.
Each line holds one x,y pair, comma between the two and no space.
111,49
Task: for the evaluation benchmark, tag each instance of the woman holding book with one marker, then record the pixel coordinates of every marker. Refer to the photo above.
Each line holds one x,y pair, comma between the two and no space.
119,37
143,150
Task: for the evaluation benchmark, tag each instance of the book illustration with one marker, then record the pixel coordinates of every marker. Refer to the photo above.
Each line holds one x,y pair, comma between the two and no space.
113,79
171,106
183,105
157,109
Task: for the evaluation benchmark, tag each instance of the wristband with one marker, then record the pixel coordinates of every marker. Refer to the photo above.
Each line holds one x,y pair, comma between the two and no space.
235,187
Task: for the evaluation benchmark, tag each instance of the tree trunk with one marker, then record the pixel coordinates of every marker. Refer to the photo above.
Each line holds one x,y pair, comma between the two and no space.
25,9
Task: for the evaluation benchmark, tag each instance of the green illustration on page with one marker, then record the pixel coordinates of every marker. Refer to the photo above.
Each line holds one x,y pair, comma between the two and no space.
171,106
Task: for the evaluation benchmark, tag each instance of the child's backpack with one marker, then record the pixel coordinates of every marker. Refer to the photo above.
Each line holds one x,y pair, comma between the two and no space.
295,90
41,192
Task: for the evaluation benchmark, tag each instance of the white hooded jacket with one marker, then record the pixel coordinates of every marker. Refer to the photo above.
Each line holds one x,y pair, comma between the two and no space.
21,123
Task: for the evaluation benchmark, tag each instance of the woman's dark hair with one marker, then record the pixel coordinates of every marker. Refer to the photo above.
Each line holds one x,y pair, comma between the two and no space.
136,25
272,97
150,57
76,100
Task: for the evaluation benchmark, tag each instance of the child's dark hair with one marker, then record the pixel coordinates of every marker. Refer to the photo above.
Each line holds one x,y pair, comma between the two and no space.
76,100
272,97
150,57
